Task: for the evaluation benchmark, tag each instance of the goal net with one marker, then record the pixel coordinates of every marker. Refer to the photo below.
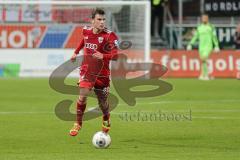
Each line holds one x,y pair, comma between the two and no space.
40,26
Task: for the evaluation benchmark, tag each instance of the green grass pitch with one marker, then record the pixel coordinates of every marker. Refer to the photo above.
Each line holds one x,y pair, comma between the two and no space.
207,126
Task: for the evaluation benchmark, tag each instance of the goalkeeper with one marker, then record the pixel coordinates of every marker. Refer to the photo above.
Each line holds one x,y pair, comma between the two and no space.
206,34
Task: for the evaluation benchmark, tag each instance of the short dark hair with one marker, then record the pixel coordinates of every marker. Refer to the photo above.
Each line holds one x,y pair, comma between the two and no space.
204,14
97,11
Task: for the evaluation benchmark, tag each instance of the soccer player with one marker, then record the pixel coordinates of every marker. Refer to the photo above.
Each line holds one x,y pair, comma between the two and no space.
206,34
100,45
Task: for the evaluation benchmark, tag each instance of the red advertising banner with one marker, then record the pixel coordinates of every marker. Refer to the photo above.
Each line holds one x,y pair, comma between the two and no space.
12,36
181,63
40,36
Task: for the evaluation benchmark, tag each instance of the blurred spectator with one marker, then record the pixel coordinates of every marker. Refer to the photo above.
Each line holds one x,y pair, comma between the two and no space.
237,37
157,14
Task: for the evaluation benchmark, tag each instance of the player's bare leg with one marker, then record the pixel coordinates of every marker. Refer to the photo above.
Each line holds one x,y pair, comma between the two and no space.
102,95
204,69
81,106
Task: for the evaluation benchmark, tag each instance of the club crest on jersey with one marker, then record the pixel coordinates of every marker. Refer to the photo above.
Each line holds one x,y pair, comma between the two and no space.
100,39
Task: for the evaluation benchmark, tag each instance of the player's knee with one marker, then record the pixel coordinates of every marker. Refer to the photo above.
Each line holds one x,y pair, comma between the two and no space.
103,104
82,99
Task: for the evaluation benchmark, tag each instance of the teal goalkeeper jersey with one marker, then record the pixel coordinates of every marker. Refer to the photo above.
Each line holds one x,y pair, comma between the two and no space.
206,34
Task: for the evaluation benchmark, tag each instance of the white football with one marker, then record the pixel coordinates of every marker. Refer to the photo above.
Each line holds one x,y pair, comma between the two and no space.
101,140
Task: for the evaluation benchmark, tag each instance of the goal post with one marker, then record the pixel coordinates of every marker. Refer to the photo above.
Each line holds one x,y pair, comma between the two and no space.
50,24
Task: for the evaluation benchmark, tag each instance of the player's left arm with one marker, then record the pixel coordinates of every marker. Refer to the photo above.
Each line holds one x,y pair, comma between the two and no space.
215,39
112,47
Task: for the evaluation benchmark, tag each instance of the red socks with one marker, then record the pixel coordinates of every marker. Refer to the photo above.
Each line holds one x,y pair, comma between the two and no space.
106,117
80,111
81,106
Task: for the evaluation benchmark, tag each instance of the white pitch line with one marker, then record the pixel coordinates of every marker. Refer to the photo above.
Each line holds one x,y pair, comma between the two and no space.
121,113
158,102
136,111
25,112
193,101
180,111
195,117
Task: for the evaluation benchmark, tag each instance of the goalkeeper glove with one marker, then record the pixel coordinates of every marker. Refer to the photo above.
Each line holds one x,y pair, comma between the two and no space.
216,49
189,47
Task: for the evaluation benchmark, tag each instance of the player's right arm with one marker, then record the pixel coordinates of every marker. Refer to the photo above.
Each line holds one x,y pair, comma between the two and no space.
193,40
79,47
77,50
